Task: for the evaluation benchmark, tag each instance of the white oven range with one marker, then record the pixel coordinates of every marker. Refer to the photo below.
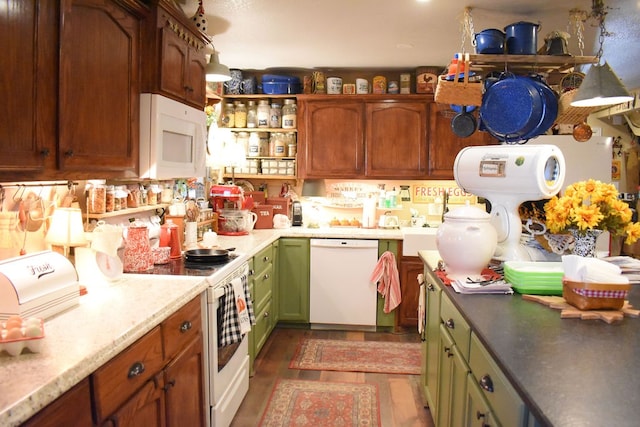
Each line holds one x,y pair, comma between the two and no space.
227,367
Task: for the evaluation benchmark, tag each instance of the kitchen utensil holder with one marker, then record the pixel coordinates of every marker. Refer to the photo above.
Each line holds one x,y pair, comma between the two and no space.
594,296
459,92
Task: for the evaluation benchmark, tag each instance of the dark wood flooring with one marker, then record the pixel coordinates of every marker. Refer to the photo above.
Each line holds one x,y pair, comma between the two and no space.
401,401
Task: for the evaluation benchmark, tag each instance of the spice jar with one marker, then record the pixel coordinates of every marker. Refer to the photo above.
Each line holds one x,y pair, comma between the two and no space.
152,194
133,196
289,113
275,115
97,199
228,116
121,196
240,115
263,113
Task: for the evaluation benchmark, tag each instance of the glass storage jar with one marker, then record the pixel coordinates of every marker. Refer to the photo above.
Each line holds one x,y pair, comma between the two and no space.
254,145
242,139
228,116
252,114
289,112
275,115
240,115
263,113
110,197
97,199
277,145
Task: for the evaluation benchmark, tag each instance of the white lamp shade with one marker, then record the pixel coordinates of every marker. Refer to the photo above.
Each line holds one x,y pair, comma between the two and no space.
600,87
215,71
66,228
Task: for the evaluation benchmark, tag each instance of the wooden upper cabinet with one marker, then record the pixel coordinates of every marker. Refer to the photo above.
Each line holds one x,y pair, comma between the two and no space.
396,139
331,139
175,60
99,88
29,35
444,145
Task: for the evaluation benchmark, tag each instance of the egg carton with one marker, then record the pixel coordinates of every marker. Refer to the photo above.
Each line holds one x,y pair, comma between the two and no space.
17,334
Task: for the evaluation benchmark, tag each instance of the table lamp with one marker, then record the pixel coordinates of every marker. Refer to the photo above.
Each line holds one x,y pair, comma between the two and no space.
66,230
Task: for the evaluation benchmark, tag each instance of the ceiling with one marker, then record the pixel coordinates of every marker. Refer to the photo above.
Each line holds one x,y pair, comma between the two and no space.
380,34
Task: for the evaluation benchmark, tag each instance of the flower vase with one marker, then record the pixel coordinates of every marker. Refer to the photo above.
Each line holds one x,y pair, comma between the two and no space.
585,242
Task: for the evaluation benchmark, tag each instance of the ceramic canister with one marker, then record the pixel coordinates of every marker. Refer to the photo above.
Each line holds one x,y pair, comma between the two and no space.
466,241
362,86
234,86
334,85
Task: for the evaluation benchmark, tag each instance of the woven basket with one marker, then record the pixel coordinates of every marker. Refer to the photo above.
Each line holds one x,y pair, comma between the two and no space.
568,114
594,296
459,92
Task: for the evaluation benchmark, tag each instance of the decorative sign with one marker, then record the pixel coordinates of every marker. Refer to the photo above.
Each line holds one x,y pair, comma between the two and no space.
428,194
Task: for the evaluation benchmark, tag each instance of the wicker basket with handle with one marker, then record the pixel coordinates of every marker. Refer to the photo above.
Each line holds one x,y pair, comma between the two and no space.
594,296
459,92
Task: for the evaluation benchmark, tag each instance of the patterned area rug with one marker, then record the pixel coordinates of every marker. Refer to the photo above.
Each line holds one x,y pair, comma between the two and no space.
357,356
319,403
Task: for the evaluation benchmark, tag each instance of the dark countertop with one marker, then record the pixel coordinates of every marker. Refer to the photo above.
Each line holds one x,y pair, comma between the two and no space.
569,372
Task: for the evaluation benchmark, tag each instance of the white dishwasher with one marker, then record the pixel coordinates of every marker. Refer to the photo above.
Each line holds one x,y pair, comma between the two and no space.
340,292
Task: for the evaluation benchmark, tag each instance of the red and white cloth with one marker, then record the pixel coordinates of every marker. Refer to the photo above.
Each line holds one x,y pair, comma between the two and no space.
385,274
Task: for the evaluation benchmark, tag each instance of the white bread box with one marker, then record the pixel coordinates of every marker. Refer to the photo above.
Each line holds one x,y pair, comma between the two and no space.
37,285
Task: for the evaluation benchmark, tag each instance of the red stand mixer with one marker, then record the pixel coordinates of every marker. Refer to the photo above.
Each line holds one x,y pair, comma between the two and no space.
234,215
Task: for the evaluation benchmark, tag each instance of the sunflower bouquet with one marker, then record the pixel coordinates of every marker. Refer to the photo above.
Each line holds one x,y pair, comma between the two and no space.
591,205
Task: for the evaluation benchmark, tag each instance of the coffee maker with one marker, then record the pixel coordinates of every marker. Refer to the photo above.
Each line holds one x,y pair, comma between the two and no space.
296,214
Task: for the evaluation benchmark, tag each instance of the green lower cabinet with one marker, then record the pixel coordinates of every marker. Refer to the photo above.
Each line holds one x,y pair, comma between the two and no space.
431,354
452,382
293,280
385,319
261,284
478,412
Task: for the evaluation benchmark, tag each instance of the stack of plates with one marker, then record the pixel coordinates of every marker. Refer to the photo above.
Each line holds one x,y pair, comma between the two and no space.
537,278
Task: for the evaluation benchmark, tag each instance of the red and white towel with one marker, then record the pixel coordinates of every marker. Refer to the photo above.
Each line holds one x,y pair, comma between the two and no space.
385,274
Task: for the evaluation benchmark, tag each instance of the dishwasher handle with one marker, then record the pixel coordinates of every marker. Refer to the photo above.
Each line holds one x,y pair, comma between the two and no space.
344,243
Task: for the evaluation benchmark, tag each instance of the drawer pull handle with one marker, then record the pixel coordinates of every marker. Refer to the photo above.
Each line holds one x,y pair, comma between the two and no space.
480,415
136,369
450,324
486,383
169,384
186,325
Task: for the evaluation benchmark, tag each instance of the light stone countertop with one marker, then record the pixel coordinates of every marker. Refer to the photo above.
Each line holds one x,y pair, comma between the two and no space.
113,315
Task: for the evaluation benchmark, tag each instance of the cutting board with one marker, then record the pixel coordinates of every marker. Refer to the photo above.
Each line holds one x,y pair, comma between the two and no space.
567,311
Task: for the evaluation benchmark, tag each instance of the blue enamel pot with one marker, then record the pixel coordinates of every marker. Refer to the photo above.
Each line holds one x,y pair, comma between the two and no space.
522,38
489,41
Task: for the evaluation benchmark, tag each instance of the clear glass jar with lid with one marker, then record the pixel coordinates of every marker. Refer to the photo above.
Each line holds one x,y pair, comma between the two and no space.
254,145
110,197
263,113
275,115
97,198
252,114
289,114
240,115
228,116
277,145
242,138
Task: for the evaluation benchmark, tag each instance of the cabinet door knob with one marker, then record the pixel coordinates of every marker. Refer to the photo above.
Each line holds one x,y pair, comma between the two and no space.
266,259
45,152
266,314
266,276
186,325
251,272
486,383
430,287
450,324
135,370
69,153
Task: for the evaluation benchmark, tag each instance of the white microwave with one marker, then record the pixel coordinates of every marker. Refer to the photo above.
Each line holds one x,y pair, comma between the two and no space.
173,138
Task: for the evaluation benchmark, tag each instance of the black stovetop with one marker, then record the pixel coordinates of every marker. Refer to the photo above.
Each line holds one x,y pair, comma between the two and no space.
180,267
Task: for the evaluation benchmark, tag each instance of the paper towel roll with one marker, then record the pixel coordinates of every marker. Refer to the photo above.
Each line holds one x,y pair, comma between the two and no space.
369,213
